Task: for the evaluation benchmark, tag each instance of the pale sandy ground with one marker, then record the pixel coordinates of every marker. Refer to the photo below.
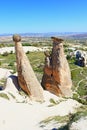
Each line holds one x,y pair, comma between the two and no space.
22,114
26,48
4,73
81,124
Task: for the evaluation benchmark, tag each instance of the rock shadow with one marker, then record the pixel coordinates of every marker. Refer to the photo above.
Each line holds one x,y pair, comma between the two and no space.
15,82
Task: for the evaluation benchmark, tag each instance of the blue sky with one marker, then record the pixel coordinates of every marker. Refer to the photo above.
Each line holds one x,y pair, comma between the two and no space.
21,16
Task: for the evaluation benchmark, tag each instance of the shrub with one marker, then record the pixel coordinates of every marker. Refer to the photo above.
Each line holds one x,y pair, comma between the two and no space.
11,64
26,44
0,63
11,52
27,52
5,54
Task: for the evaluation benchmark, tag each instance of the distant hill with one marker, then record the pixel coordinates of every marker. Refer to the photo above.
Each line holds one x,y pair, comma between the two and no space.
78,36
73,35
43,34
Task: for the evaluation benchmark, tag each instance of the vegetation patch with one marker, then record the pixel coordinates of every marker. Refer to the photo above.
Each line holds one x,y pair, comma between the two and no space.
2,82
3,95
65,121
37,59
12,95
53,102
57,119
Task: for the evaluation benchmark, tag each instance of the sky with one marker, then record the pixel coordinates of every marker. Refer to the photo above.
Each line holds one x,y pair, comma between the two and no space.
43,16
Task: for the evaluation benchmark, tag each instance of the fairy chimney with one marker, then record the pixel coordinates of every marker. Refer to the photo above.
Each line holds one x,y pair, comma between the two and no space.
57,76
26,76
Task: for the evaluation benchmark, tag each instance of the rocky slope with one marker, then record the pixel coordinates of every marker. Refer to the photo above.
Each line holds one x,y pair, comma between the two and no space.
18,112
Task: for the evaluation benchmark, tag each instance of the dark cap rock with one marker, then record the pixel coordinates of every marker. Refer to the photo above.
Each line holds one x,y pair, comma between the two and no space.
16,38
55,39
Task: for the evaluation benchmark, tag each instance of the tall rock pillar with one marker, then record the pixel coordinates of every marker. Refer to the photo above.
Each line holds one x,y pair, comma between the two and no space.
57,76
26,77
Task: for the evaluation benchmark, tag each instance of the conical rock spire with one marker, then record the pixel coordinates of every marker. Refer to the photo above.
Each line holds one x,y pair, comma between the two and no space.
26,77
57,76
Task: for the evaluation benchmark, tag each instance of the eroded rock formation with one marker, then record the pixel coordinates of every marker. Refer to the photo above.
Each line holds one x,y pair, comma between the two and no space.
57,77
26,77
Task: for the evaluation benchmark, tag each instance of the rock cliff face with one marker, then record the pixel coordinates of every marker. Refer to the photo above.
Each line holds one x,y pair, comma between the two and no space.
26,77
57,77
